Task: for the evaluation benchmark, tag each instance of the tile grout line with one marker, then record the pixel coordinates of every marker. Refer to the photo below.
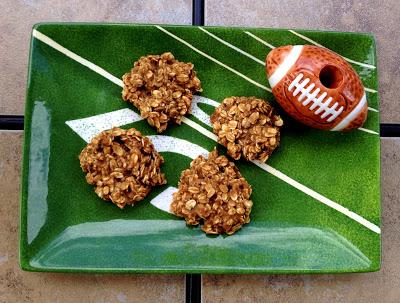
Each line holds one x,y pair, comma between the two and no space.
194,281
11,122
390,130
16,122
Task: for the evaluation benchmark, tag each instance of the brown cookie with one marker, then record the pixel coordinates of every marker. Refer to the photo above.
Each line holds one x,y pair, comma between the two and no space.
247,126
212,191
123,165
161,88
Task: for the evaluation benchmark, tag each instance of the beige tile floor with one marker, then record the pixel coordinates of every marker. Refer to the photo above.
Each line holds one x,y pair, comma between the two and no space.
16,19
382,18
19,286
18,16
382,286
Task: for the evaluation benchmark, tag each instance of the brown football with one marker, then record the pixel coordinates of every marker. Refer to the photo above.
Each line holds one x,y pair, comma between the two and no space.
317,87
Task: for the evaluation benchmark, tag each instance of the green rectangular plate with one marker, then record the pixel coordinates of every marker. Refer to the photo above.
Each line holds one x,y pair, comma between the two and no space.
316,206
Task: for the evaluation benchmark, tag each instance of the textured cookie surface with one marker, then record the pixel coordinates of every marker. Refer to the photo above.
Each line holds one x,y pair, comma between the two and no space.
122,165
161,87
247,126
213,192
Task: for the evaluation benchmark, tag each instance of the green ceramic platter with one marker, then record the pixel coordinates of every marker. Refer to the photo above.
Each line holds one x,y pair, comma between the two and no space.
316,203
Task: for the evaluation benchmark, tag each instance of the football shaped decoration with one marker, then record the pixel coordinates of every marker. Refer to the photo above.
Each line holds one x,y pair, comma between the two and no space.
317,87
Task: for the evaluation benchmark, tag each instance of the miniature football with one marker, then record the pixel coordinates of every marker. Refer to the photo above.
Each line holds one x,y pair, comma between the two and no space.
317,87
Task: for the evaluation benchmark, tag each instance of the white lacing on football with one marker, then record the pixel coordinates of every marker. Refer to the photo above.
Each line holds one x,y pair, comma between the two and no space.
315,98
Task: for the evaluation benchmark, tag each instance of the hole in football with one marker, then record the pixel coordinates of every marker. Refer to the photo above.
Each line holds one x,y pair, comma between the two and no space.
330,76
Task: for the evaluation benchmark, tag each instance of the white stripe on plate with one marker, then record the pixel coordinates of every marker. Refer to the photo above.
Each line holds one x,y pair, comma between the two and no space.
319,197
89,127
200,128
164,199
200,114
264,166
50,42
213,59
370,90
176,145
232,46
260,40
368,131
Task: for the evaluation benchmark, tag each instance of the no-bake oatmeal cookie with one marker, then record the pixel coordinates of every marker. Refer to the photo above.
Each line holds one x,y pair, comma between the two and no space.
123,165
162,88
213,192
247,126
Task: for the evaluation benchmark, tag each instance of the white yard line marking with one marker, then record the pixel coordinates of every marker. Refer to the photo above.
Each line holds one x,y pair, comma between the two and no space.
163,200
200,99
212,136
317,44
319,197
200,128
260,40
232,46
198,112
68,53
89,127
183,147
213,59
368,131
370,90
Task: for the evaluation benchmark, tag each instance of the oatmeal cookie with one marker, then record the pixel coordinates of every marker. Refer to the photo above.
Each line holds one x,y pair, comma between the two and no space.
212,191
122,165
247,126
161,87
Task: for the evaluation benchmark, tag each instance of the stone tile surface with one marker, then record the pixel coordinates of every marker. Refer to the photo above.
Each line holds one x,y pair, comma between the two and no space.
380,18
18,16
19,286
382,286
